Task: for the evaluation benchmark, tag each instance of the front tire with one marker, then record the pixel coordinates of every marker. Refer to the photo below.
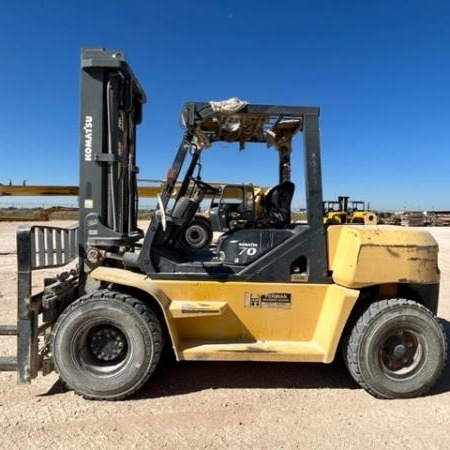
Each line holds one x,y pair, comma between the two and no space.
396,349
106,345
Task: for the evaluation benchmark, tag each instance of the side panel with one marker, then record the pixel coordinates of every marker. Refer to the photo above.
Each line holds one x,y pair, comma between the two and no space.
199,314
361,256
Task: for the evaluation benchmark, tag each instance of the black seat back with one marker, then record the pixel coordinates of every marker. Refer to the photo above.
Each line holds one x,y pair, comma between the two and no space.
277,206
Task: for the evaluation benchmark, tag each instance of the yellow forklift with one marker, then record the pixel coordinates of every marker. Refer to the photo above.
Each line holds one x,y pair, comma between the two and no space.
270,290
335,211
231,204
358,213
343,210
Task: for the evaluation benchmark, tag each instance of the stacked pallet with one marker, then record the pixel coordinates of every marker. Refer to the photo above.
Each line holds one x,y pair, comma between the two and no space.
389,218
412,219
441,220
38,214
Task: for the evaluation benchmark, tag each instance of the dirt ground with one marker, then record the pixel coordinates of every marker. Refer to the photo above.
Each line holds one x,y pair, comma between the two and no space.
220,405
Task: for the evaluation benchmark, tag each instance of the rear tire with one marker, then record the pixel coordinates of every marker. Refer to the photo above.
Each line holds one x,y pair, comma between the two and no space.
396,349
199,234
106,345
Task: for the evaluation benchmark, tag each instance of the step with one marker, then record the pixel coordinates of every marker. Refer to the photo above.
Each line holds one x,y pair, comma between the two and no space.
284,351
185,308
8,364
8,330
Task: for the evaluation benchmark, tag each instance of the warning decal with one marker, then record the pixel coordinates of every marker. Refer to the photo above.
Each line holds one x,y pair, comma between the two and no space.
272,300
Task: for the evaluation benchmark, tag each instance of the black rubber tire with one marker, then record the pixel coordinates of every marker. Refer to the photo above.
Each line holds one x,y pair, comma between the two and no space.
387,327
199,234
82,366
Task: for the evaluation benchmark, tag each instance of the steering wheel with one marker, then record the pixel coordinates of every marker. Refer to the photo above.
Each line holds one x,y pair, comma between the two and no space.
205,187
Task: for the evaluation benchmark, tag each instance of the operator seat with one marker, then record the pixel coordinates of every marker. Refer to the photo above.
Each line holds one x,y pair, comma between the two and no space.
277,206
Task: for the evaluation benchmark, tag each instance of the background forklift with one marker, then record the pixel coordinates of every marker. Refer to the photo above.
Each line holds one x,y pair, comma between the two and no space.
229,206
335,211
359,213
270,290
343,210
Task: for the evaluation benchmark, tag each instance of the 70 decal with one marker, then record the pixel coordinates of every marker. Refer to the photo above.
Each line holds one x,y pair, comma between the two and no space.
249,251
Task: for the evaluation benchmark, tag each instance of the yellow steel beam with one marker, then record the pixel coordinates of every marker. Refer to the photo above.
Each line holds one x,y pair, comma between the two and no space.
61,190
35,190
44,190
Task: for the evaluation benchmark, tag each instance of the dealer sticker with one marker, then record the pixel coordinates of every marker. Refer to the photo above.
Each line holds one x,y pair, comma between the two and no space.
272,300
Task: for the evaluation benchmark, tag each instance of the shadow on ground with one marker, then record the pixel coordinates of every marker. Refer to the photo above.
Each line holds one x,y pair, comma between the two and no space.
187,377
178,378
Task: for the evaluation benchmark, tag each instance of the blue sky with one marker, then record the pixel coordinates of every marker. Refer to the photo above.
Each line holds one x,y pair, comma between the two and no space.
379,70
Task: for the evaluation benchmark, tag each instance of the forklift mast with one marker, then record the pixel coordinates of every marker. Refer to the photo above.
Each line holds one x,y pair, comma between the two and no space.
111,107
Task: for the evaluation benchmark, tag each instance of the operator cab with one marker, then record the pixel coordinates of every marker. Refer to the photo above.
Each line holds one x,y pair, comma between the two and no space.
251,245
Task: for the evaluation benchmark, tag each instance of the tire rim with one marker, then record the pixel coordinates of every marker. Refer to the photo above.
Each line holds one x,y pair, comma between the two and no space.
101,349
401,353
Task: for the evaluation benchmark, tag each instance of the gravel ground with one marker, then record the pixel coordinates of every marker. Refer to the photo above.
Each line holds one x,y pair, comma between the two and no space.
220,405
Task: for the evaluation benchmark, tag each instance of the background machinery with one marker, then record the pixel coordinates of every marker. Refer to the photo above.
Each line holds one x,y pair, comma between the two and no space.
359,214
270,290
232,205
343,210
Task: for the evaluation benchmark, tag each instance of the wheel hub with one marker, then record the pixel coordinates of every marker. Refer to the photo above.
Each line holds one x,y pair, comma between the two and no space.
196,236
107,343
401,352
